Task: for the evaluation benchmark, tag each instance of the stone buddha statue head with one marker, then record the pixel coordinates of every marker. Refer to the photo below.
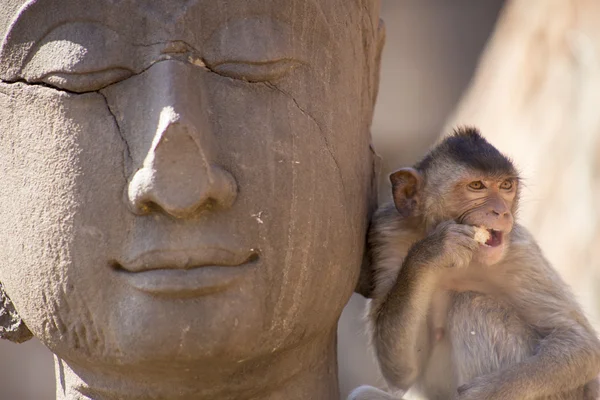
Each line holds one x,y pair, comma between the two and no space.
185,189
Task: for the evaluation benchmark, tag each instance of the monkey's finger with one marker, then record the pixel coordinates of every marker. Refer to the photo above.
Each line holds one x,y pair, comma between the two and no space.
472,244
467,242
467,230
442,227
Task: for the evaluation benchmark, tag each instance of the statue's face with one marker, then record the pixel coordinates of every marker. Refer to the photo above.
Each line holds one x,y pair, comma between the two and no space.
183,182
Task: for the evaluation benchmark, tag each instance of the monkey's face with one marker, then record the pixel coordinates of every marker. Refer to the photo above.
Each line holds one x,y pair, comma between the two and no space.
466,179
196,190
488,202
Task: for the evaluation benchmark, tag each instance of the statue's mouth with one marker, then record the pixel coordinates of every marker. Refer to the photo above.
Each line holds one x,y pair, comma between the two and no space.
185,273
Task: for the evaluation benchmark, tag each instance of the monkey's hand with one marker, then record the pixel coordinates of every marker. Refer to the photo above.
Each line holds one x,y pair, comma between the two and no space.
453,244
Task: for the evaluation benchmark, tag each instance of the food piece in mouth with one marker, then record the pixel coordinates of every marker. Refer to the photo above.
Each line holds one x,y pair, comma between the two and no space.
488,237
482,235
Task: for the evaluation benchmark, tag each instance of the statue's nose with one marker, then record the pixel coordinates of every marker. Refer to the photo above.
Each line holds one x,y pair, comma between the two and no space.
179,175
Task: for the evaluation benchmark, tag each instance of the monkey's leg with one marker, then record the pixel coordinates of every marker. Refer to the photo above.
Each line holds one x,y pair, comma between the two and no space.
565,360
567,356
371,393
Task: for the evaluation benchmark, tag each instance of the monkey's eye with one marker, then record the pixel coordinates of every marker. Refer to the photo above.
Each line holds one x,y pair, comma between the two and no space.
506,185
476,185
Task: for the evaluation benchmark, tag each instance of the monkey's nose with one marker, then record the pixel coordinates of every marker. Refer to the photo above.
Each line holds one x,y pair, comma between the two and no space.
177,175
498,208
501,213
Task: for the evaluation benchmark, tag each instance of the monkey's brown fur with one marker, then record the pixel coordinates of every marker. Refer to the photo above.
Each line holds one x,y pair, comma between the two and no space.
460,320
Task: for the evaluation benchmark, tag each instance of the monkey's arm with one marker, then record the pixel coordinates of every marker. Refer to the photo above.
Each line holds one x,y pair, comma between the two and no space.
568,354
400,315
401,337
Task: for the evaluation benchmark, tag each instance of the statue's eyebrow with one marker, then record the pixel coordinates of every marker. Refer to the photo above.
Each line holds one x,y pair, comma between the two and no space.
54,28
255,40
17,47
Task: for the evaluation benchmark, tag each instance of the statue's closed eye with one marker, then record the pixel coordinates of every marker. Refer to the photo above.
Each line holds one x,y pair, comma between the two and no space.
86,82
256,49
255,72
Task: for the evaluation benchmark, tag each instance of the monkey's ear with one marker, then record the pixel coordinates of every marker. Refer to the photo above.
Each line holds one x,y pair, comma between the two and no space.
406,190
12,326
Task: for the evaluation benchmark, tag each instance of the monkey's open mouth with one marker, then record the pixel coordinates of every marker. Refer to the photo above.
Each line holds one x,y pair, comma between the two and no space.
495,238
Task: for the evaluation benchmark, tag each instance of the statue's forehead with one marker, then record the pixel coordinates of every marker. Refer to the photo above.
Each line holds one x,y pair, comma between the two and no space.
147,22
152,20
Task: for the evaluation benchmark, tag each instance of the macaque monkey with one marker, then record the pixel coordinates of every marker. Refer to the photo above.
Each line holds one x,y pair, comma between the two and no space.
465,306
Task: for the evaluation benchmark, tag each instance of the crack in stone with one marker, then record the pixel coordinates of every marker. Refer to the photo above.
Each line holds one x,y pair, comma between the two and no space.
154,44
127,159
182,57
327,144
63,90
40,84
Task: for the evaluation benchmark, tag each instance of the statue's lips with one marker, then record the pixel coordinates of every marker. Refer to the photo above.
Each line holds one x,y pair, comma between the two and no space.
185,273
186,259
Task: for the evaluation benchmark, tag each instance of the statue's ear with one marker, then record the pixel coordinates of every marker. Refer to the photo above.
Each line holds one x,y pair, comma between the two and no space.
365,283
12,326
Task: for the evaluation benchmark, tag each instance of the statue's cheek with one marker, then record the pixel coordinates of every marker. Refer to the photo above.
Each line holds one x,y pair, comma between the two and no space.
61,163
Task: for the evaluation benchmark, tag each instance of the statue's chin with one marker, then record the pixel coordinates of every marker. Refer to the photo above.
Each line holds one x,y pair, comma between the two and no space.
132,330
186,331
177,350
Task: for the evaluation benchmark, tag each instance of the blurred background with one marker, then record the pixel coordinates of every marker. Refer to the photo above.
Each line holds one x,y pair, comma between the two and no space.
527,72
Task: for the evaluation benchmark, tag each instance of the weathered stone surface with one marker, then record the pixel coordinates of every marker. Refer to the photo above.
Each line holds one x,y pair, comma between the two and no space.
185,189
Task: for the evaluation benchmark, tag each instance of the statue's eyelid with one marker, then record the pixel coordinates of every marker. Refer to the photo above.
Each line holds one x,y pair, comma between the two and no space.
87,81
260,48
255,71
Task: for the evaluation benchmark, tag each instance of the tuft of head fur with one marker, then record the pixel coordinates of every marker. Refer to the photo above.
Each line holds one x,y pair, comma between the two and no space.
466,146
